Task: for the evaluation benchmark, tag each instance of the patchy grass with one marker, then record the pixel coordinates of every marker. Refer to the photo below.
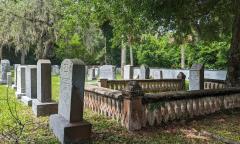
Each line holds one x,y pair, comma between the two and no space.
106,130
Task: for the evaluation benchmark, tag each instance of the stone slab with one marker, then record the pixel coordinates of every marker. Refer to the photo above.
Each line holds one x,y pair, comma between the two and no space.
19,95
44,109
69,133
26,100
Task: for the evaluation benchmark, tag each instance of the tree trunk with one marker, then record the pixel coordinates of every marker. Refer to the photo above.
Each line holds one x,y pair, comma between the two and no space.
23,57
182,56
131,55
123,57
233,71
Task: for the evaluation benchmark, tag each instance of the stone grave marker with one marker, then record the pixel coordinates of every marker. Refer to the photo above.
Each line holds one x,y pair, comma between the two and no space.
31,85
4,68
43,105
144,72
91,74
128,72
196,77
68,125
157,74
9,79
107,72
21,81
55,70
14,86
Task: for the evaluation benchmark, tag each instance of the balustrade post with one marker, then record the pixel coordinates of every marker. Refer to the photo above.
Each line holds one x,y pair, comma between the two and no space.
103,83
132,117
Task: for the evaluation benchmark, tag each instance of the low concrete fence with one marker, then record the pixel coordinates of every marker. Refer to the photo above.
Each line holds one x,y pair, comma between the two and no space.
148,85
214,84
136,110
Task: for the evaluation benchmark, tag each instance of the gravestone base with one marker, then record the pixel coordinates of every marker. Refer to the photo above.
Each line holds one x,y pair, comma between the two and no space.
3,82
19,95
44,109
79,132
14,86
26,100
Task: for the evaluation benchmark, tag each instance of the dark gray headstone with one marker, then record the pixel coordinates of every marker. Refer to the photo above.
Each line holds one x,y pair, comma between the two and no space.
21,81
43,105
68,124
128,72
144,72
4,68
107,72
196,77
44,84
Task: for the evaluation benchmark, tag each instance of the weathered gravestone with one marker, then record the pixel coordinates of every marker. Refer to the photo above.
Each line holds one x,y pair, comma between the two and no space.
107,72
43,105
157,74
196,77
144,72
9,79
4,68
31,85
68,125
97,72
128,72
91,74
55,70
14,86
21,81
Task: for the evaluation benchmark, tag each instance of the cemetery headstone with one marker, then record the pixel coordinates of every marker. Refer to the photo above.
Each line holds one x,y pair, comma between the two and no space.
157,74
55,70
4,68
31,85
196,77
14,86
43,105
144,72
96,72
68,125
21,81
128,72
91,74
107,72
9,79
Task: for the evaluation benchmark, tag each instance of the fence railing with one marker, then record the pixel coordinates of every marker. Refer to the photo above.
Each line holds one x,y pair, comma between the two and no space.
214,84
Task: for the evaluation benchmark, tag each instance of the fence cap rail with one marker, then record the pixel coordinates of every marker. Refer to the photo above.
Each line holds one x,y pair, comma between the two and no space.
104,91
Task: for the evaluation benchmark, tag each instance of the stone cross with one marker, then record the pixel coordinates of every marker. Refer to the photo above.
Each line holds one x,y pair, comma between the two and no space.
128,72
196,77
43,105
31,85
21,81
107,72
68,125
144,72
4,68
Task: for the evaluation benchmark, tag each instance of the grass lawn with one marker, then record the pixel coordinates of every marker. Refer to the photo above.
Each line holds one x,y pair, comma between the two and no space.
35,130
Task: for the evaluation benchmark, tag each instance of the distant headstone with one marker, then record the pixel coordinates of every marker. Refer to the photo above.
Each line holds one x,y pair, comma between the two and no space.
97,72
9,79
91,74
55,70
4,68
128,72
144,72
196,77
107,72
43,105
21,81
31,85
68,125
14,86
157,74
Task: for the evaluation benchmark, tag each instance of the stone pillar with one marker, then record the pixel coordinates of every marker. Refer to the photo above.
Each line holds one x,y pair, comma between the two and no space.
31,85
68,125
128,72
144,72
21,81
14,86
43,105
196,77
182,76
132,117
4,68
9,79
103,83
